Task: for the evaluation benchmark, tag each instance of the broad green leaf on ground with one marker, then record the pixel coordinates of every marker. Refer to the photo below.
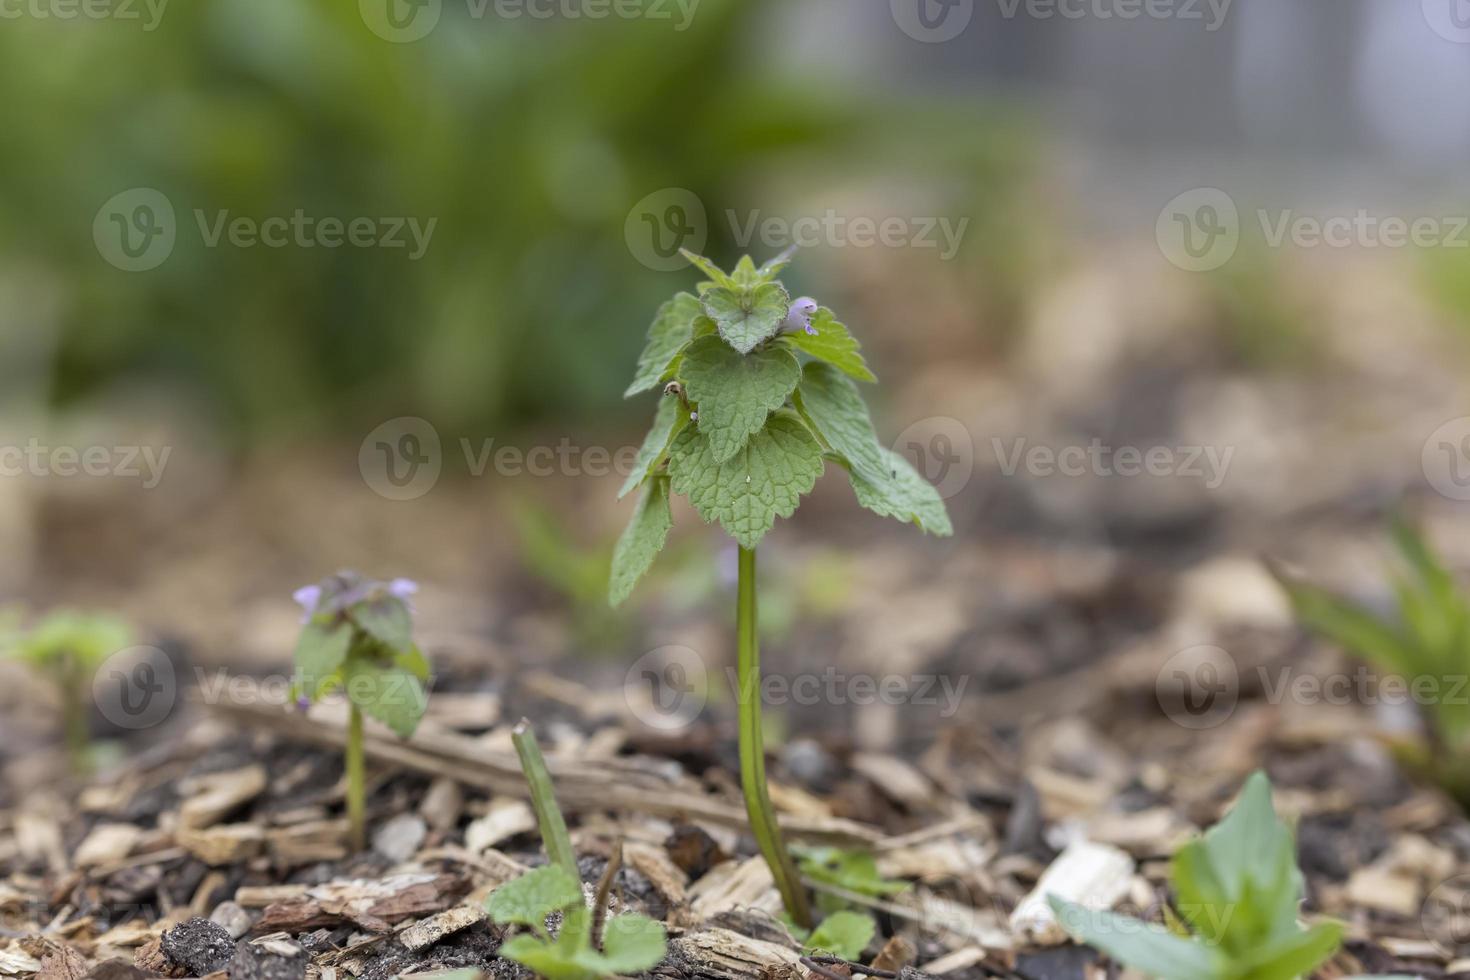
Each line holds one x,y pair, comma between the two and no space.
641,541
1147,948
546,959
902,493
833,344
320,652
669,418
715,273
630,944
391,694
748,491
529,899
835,407
845,934
1294,955
736,392
671,330
386,619
745,317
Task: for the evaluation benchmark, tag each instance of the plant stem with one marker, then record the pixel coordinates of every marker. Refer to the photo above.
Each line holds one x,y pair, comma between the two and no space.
554,834
753,754
356,788
74,715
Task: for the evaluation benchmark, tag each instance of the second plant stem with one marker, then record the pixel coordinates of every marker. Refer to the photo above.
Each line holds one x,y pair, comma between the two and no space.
752,751
356,784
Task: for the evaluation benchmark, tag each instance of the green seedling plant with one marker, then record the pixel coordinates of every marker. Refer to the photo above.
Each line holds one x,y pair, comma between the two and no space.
759,394
627,944
67,647
1237,892
357,638
1427,641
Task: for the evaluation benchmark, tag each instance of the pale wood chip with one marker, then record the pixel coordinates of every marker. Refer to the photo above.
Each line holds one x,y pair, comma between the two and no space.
215,795
429,931
15,961
960,959
733,885
898,780
63,963
107,843
655,864
1092,875
726,955
223,844
505,819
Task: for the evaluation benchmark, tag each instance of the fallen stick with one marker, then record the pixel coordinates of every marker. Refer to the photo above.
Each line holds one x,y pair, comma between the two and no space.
633,785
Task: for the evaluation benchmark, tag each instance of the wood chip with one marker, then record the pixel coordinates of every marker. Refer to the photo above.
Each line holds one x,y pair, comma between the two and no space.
63,963
223,845
896,779
505,819
436,927
726,955
960,959
214,796
107,843
1092,875
373,906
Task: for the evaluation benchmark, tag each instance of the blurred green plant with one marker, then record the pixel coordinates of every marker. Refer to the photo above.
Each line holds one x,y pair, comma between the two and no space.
1428,639
67,647
1237,892
528,141
357,637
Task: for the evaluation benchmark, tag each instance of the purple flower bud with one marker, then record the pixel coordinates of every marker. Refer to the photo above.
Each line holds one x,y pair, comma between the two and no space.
307,597
403,588
302,702
799,316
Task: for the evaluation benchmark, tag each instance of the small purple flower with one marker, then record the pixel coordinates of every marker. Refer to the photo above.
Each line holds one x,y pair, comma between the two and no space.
403,588
799,316
307,597
302,702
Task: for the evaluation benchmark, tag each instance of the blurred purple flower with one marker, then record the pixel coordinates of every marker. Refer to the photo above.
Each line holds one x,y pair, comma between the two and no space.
302,702
403,588
307,597
799,316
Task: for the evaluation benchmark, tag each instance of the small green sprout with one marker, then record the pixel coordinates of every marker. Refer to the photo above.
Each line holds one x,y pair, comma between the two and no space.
1237,890
1428,640
630,943
851,871
67,647
759,395
845,934
358,637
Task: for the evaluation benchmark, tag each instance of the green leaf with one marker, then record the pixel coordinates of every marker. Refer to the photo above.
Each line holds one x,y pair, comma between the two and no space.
844,934
389,693
836,410
775,266
669,418
641,541
630,944
671,330
745,273
745,317
414,661
853,871
903,493
736,392
1346,624
386,619
748,491
546,959
529,899
833,344
320,652
1294,955
1144,947
715,274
